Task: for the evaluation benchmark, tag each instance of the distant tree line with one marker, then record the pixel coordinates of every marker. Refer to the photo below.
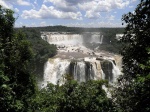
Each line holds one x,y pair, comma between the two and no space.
80,30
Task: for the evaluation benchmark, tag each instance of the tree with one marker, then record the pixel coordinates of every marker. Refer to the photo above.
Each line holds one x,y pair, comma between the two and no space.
74,97
42,50
133,94
16,81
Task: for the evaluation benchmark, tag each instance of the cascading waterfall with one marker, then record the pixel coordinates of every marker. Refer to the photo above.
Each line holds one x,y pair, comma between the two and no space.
54,71
82,71
98,72
79,69
101,39
72,39
115,71
81,63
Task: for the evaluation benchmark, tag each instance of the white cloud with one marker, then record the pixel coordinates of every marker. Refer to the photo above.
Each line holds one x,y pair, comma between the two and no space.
70,9
30,14
33,6
9,3
91,8
131,6
119,4
95,6
111,17
43,23
16,10
6,4
23,2
62,5
133,0
92,15
94,24
35,2
50,13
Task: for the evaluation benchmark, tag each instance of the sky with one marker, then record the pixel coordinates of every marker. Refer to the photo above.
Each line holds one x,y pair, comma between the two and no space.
74,13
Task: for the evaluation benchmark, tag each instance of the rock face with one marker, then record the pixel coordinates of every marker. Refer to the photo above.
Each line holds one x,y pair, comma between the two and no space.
81,63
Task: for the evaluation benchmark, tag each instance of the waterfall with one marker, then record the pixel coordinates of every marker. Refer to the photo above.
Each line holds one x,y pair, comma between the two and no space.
116,72
82,71
81,63
79,72
64,39
110,70
72,39
96,70
97,38
54,71
101,39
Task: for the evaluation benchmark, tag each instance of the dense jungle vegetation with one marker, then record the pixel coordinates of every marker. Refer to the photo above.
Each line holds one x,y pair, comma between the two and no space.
18,88
42,50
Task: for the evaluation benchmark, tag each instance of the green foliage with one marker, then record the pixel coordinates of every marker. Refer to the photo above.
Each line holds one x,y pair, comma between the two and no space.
16,81
73,97
42,50
110,43
133,94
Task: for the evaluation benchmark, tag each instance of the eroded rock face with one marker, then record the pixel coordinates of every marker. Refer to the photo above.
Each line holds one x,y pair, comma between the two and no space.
107,68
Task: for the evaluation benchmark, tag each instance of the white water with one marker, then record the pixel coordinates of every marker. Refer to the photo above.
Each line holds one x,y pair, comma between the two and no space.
116,71
56,69
86,66
72,39
79,69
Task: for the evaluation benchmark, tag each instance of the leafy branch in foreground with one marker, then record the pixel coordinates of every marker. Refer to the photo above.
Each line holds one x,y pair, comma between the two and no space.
133,93
74,97
16,81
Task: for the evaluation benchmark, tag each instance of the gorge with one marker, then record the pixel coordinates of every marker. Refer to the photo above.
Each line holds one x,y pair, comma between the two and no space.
76,59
